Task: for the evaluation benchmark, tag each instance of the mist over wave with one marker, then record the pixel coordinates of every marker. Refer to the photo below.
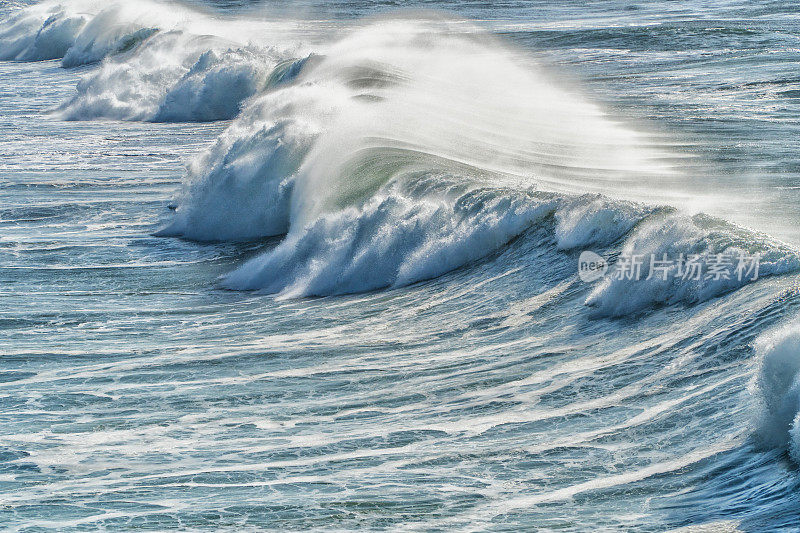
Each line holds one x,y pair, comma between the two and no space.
406,149
411,149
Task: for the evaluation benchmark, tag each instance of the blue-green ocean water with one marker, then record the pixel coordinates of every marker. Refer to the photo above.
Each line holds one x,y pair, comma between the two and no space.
314,266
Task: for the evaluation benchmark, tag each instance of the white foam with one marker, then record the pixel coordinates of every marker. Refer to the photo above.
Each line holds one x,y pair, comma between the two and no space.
392,240
159,61
778,387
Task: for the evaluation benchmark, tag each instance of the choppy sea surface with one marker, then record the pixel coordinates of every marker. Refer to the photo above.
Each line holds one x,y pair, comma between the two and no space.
315,266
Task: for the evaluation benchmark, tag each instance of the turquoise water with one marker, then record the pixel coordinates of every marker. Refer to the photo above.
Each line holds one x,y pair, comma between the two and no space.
315,267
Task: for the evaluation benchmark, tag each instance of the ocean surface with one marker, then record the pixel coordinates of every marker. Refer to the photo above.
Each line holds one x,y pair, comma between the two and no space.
314,265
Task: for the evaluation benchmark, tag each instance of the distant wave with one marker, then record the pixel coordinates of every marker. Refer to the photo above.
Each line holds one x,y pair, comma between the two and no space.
82,32
206,81
160,62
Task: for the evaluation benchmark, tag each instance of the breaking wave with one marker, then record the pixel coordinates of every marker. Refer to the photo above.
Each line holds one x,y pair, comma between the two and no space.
411,149
778,387
208,80
672,235
83,32
158,62
403,151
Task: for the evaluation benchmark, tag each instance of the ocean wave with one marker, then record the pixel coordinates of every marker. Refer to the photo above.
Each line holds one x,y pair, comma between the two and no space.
410,147
778,388
158,62
83,31
175,77
672,235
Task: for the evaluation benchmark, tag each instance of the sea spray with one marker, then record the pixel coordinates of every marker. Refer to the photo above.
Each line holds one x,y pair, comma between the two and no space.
428,139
